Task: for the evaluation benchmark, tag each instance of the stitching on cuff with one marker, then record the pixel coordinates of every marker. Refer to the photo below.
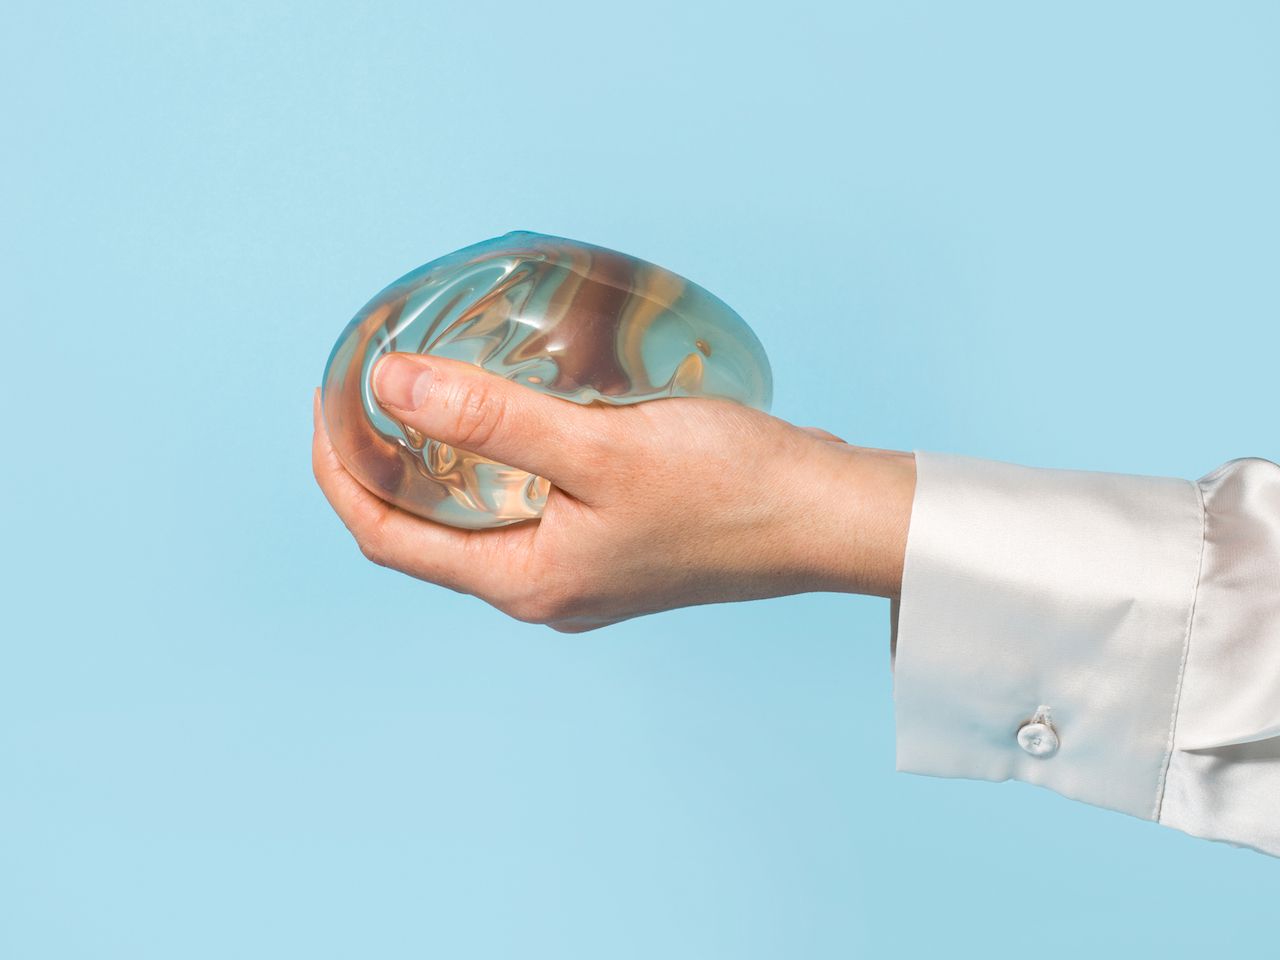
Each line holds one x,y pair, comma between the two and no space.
1182,664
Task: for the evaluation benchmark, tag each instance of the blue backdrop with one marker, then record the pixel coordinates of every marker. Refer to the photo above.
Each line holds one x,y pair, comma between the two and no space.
1044,233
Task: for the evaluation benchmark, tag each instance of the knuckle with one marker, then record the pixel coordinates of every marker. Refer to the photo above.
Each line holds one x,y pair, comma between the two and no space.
477,415
371,538
539,602
373,550
547,586
531,609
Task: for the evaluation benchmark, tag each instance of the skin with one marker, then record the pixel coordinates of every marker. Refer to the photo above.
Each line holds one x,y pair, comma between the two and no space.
653,506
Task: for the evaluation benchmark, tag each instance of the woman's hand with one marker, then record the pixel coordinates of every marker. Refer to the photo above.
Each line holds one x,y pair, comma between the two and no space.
653,506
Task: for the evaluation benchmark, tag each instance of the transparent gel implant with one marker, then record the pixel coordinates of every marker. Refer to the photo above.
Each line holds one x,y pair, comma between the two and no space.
565,318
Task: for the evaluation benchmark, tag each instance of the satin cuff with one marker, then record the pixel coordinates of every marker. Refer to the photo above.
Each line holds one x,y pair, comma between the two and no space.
1046,595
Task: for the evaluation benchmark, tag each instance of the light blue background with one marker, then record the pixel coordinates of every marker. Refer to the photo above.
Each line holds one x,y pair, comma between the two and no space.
1044,233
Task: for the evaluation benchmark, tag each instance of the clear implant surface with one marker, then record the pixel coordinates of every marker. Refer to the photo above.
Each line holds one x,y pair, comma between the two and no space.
566,318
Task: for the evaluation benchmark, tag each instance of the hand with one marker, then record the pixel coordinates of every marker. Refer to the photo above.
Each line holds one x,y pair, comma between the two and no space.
653,506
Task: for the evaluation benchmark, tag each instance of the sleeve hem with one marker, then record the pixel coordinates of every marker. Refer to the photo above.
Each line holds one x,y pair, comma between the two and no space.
1182,662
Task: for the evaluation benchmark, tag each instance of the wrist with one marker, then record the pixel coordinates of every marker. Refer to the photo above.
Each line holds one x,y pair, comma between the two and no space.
866,495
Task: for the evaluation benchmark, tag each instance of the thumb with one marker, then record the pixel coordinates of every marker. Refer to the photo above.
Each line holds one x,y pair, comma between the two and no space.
465,406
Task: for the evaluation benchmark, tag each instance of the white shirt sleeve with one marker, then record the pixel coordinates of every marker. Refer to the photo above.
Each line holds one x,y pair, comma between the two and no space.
1114,638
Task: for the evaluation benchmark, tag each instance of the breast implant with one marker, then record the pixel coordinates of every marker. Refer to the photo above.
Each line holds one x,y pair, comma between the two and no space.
576,321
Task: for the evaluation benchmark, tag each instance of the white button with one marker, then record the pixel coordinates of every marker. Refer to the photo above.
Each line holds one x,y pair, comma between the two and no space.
1037,735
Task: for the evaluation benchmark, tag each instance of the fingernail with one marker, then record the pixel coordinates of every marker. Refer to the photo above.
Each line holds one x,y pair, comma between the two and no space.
401,382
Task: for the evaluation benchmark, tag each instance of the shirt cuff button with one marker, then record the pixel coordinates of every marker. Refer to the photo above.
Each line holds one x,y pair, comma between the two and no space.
1037,736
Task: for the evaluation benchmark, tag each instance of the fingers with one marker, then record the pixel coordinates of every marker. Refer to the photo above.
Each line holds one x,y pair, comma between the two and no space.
458,559
467,407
